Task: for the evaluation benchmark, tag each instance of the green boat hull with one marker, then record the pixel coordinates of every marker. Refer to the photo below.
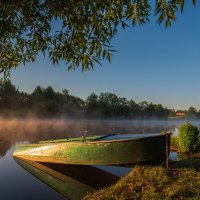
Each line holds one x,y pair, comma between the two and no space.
97,151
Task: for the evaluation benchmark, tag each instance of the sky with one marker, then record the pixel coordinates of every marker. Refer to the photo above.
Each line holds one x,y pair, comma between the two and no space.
152,63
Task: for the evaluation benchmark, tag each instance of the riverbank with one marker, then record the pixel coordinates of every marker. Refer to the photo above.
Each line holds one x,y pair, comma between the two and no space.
180,181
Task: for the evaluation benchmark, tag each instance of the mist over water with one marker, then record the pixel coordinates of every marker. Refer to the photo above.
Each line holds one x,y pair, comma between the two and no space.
32,130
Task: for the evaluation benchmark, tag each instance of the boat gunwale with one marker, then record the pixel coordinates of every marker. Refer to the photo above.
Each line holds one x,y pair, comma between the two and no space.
90,142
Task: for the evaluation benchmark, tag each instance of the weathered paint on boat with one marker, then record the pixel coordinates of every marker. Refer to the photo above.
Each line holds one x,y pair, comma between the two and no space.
71,181
104,150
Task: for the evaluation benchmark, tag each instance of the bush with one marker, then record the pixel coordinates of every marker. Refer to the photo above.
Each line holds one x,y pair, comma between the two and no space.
188,137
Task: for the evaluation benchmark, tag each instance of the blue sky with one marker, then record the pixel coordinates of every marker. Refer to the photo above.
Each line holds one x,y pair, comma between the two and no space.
152,63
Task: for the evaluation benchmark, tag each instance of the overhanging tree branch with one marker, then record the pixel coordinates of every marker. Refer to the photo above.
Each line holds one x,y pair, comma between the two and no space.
83,33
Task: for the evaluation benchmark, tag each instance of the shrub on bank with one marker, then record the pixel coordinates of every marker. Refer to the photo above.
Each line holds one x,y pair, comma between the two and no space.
188,137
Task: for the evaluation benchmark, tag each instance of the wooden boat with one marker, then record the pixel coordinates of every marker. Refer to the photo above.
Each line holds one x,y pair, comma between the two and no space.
71,181
115,149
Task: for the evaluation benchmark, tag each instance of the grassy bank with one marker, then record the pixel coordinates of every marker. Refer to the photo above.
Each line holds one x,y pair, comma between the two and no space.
180,181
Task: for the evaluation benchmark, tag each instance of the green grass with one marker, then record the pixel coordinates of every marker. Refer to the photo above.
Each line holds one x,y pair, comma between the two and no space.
147,182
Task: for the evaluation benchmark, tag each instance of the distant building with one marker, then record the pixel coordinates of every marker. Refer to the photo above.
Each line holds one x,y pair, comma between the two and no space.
180,113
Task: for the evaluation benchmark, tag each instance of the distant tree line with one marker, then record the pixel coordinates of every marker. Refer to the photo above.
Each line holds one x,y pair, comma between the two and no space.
193,113
47,102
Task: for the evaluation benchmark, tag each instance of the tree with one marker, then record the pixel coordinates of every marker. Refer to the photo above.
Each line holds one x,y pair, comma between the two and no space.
84,30
135,109
110,105
9,95
92,104
37,94
172,113
192,112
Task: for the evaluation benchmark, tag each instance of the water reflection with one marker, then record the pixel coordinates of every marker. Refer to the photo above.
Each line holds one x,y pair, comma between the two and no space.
4,147
173,156
178,156
16,183
73,182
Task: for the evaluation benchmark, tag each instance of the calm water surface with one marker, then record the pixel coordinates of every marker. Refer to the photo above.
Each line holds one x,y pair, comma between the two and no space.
18,183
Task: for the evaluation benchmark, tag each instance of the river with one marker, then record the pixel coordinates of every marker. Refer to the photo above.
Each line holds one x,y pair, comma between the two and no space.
18,183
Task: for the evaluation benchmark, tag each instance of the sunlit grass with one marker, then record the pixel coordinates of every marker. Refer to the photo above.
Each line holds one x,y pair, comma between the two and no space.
147,182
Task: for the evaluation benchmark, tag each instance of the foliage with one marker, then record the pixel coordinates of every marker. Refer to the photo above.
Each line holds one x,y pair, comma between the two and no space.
10,97
192,113
78,32
172,113
111,106
92,104
188,137
46,101
174,142
147,182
